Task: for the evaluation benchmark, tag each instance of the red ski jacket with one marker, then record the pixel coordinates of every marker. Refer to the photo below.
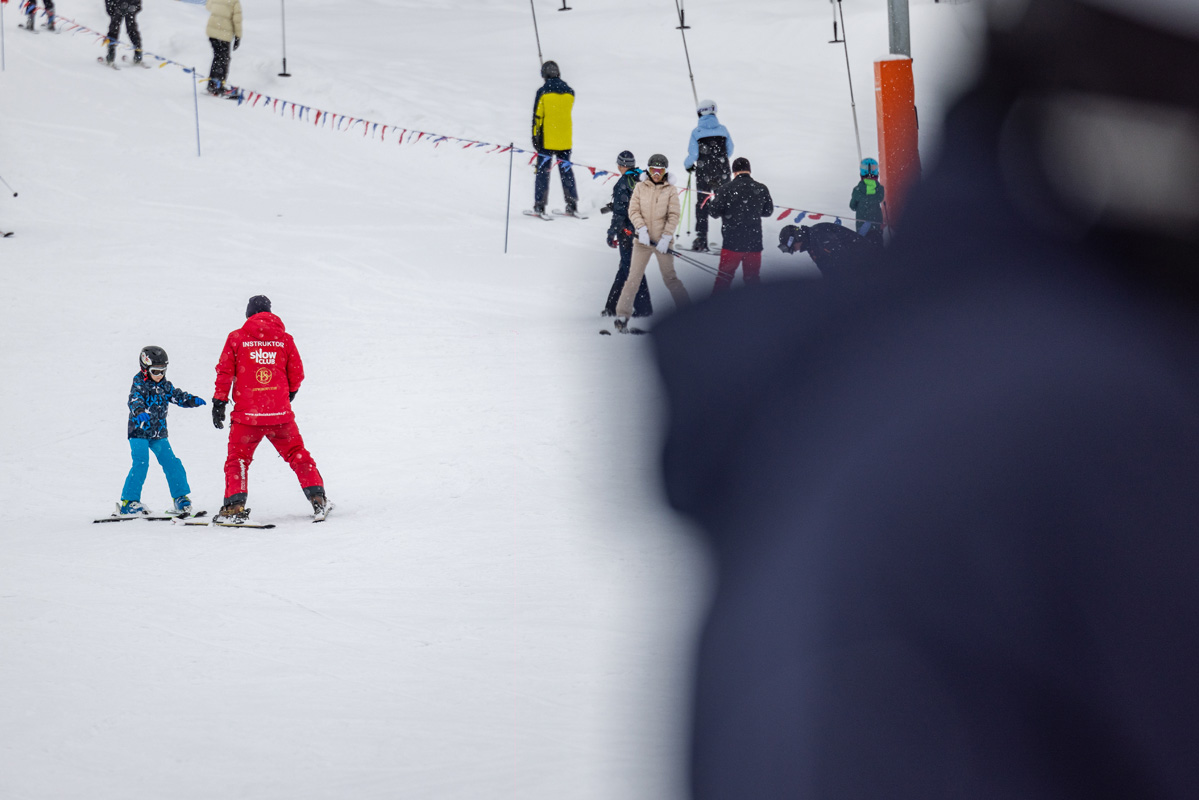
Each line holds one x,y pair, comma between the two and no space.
260,362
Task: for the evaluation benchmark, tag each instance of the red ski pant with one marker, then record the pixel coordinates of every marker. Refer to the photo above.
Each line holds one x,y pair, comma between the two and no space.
729,260
244,440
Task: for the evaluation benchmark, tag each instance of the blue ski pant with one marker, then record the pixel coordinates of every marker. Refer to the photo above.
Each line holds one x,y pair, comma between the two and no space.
170,463
545,159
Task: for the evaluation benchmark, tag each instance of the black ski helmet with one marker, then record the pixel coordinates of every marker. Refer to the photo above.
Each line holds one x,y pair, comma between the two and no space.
550,70
152,356
658,160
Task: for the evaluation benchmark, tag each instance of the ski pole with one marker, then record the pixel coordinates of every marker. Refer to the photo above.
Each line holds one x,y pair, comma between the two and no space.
508,213
196,100
694,262
14,194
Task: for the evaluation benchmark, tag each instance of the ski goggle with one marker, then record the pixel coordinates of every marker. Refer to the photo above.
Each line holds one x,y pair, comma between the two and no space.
158,370
657,170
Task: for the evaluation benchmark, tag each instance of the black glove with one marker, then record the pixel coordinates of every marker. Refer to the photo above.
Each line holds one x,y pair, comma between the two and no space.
218,412
292,395
236,42
691,168
606,209
612,241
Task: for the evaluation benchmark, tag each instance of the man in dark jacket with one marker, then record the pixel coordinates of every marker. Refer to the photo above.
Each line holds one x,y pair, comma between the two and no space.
838,252
552,134
741,203
620,235
126,10
953,510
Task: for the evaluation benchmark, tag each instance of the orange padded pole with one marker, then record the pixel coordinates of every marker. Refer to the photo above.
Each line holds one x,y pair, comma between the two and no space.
898,131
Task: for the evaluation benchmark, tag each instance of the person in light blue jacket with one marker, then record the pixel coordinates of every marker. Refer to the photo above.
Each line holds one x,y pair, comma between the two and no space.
708,156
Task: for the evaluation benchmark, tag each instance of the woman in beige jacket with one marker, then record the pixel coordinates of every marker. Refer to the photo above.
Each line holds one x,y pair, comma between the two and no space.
654,212
224,27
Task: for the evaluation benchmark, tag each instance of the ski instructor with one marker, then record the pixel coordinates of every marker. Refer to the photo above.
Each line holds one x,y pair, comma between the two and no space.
262,366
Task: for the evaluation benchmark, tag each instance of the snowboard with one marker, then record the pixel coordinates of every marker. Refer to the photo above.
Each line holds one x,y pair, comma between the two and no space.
531,213
141,63
5,234
112,64
560,213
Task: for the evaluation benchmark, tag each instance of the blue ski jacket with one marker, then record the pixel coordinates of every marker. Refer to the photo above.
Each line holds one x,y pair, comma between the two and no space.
151,398
707,128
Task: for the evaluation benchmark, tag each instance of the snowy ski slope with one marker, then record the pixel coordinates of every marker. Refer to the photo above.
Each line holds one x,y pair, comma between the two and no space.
500,606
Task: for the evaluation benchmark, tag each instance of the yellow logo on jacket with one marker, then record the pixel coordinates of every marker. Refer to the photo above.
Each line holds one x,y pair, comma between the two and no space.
263,375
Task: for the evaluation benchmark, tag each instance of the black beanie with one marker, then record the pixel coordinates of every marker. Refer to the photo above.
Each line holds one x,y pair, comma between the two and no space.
258,303
741,164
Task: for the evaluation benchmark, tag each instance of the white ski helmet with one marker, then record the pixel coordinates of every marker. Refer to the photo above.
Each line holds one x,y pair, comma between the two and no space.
706,107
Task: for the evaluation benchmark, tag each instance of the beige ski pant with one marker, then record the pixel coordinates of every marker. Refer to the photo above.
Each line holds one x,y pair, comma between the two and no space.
641,254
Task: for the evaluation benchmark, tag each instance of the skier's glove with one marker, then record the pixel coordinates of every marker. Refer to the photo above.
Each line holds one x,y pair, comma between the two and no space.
612,239
664,243
218,412
643,235
199,402
142,417
292,395
691,168
236,42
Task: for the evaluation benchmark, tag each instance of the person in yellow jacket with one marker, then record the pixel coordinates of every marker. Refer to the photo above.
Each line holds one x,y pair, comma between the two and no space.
551,137
224,29
654,212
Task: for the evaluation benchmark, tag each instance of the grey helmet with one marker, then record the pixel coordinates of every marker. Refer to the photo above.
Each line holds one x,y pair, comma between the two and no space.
658,160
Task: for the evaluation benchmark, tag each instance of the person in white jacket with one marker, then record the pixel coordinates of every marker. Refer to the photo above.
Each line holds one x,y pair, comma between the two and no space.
654,212
224,32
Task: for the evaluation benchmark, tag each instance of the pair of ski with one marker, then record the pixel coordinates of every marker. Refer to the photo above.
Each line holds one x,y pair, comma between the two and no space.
556,213
171,515
243,520
112,64
55,29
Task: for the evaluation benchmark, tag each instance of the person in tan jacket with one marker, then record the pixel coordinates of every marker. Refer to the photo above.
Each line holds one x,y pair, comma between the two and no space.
224,28
654,212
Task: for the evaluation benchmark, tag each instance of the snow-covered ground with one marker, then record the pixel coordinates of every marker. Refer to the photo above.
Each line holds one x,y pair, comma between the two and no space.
501,606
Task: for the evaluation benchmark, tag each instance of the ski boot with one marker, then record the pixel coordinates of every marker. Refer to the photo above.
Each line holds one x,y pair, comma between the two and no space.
316,496
183,505
129,508
621,324
700,244
50,24
234,509
29,22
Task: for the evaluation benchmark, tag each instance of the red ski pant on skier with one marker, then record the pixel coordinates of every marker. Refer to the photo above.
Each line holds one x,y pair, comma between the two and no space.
244,440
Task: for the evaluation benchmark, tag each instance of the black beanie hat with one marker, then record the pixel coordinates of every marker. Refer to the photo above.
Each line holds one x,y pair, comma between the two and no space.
258,303
741,164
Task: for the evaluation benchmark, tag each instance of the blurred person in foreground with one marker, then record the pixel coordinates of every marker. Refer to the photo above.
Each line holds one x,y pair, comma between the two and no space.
953,510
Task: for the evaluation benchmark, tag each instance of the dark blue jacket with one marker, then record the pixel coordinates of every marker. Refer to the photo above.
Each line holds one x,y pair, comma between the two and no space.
146,396
622,193
953,510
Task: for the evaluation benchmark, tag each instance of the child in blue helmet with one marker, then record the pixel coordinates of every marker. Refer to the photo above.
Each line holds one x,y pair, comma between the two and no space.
148,399
867,202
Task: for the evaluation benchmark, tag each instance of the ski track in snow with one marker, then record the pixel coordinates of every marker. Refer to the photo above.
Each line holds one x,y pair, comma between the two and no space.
501,605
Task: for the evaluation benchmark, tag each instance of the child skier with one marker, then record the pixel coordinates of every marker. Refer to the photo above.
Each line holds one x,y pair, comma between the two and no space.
867,202
148,401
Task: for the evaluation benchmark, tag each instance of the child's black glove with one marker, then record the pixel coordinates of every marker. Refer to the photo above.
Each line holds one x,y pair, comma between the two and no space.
292,395
218,412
